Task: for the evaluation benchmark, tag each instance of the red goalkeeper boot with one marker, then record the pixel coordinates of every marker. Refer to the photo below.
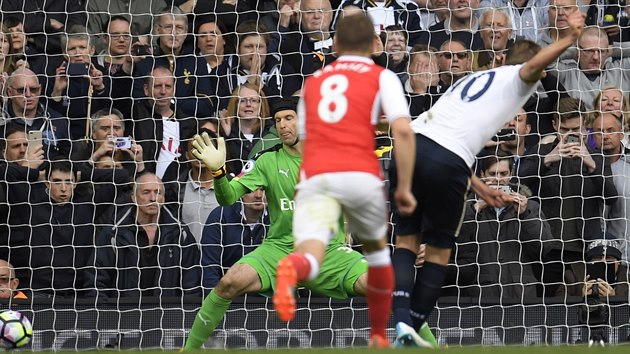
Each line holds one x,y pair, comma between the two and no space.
283,298
379,342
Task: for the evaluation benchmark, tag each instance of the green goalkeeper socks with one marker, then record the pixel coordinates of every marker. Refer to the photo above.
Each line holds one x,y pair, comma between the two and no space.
208,318
426,334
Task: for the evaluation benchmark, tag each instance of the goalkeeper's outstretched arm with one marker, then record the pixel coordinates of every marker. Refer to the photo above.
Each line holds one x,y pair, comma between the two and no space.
227,193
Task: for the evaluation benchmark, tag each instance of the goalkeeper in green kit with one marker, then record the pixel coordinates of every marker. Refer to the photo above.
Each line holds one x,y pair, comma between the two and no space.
344,272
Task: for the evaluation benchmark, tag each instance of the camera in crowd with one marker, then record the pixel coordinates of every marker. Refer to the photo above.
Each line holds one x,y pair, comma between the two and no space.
123,142
506,189
595,313
505,135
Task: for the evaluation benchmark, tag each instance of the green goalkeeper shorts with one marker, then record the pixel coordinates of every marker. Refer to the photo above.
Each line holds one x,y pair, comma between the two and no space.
341,269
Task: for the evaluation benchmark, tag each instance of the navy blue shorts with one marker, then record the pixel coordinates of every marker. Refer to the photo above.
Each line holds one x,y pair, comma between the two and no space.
440,184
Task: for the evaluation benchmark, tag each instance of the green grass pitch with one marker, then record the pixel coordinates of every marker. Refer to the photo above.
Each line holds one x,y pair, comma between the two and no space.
572,349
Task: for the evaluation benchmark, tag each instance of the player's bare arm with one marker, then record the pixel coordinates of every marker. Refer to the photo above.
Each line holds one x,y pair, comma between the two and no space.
405,150
493,197
532,70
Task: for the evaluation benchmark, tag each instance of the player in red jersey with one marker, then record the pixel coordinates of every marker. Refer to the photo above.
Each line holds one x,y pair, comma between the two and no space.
340,107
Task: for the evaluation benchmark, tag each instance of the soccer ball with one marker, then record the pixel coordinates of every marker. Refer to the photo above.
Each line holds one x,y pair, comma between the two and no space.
15,331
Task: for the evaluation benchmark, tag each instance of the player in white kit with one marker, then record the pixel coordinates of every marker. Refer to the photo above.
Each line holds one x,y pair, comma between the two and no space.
448,137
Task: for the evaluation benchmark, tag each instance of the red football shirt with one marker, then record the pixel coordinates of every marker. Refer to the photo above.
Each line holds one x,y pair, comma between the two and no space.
339,109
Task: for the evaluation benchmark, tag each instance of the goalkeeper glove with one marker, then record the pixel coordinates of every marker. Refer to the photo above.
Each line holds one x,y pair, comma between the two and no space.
213,158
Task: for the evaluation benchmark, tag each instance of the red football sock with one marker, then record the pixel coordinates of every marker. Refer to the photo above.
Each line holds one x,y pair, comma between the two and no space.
301,264
380,285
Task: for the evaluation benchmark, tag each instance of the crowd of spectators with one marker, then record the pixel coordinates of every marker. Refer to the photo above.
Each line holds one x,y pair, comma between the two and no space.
101,196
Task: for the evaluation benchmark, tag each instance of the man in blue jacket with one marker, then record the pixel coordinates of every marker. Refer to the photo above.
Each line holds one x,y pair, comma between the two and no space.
230,233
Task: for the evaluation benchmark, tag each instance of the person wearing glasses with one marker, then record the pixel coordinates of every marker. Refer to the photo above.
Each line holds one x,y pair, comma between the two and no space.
175,53
309,48
454,62
25,106
573,184
593,68
9,282
243,124
608,136
117,61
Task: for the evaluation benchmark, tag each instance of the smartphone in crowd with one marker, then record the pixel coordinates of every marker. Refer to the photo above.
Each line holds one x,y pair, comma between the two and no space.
123,142
34,140
506,189
505,135
77,69
573,139
141,50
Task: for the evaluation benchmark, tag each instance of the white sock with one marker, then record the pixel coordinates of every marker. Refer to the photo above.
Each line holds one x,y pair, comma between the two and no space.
314,266
379,258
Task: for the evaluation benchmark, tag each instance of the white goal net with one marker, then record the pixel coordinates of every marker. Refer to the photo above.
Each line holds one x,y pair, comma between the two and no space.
111,232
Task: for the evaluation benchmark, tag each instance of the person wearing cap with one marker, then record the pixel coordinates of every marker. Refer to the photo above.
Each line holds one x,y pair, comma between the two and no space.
577,281
275,169
271,138
574,185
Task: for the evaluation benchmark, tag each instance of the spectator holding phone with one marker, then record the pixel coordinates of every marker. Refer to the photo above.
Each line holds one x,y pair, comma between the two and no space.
15,147
511,139
573,184
25,106
603,272
79,87
499,251
108,138
16,150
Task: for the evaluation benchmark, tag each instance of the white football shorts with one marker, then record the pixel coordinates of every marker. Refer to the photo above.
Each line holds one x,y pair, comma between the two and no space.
321,199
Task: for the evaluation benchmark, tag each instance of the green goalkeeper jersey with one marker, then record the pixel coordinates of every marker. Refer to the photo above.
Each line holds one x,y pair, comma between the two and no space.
276,171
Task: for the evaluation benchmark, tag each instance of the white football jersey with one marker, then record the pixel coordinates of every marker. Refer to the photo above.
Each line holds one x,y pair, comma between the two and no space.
472,110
